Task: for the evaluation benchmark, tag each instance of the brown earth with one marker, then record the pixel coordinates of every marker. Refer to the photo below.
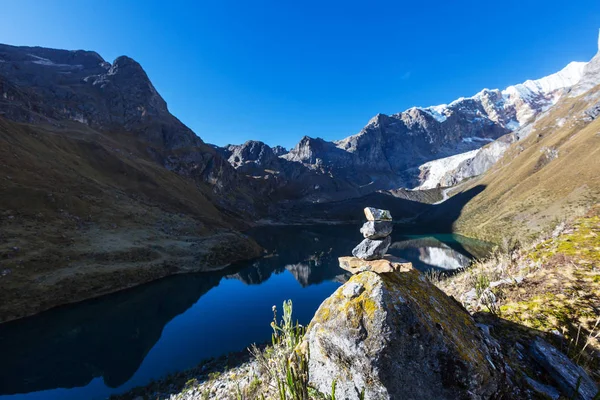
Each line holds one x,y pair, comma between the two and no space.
84,213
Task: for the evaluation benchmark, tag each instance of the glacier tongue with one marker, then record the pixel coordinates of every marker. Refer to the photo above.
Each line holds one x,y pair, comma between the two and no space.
433,171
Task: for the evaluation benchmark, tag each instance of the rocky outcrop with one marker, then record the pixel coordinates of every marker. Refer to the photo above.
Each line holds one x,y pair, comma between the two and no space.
284,180
388,333
279,151
396,336
250,156
571,378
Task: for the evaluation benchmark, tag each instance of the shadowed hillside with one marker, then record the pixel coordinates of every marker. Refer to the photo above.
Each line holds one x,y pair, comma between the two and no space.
83,214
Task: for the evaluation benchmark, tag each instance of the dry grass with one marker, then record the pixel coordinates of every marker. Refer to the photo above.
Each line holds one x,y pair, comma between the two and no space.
526,191
84,213
551,286
280,370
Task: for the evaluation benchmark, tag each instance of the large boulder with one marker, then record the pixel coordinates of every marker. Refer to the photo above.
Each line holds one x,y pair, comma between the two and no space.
396,336
370,249
376,229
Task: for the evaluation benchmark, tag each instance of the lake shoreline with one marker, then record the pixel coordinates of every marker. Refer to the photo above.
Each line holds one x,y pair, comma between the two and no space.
197,315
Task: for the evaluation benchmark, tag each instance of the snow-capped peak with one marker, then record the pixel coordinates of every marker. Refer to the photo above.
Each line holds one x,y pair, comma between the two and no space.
567,77
517,104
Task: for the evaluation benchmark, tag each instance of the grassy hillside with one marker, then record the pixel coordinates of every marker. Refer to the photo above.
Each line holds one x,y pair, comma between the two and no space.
552,174
549,289
84,213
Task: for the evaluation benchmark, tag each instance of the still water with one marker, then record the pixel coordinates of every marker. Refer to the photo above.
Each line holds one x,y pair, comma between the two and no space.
113,343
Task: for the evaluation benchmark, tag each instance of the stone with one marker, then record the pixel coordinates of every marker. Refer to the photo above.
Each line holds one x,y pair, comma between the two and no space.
385,265
567,375
400,338
375,214
372,249
546,391
376,229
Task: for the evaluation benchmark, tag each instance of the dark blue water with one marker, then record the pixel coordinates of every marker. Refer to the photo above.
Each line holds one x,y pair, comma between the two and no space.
116,342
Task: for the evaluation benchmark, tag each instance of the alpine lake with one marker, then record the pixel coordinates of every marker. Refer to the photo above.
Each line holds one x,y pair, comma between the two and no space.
110,344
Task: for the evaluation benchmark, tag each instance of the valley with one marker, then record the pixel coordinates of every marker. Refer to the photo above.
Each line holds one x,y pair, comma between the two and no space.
131,249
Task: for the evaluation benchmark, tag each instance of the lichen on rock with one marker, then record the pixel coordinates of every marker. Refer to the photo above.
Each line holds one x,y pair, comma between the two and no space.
399,338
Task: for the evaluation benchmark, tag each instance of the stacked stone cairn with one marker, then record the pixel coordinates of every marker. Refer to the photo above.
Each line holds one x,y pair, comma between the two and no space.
370,254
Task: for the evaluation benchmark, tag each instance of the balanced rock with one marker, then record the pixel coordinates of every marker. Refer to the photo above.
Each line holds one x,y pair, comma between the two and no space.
382,266
375,214
396,336
370,249
376,229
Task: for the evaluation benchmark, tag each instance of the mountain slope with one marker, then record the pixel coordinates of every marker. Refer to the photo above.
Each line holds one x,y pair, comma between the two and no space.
388,151
551,174
101,188
83,214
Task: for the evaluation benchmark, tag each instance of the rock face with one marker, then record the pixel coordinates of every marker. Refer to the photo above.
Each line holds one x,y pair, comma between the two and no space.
250,155
376,229
388,151
283,179
41,85
412,148
370,249
572,379
382,266
396,336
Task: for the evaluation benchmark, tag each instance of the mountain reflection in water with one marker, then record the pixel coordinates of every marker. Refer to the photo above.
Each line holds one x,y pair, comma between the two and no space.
122,340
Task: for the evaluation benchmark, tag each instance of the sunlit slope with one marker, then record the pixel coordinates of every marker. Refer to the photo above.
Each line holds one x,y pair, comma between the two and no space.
550,175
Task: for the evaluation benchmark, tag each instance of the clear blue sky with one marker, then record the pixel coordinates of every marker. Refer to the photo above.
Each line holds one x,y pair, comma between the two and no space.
277,70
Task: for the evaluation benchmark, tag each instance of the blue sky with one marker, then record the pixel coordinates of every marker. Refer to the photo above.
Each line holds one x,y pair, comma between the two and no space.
277,70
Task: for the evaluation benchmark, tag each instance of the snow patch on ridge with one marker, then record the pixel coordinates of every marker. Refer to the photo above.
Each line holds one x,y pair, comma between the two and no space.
437,112
434,171
567,77
476,139
49,63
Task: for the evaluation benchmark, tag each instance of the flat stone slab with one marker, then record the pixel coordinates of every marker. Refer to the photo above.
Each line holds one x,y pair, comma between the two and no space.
375,214
384,265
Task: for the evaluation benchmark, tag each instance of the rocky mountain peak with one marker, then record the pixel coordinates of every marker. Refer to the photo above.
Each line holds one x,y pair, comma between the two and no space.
252,151
279,150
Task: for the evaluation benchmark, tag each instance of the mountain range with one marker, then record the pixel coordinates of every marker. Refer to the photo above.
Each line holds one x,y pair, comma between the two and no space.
102,188
392,151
